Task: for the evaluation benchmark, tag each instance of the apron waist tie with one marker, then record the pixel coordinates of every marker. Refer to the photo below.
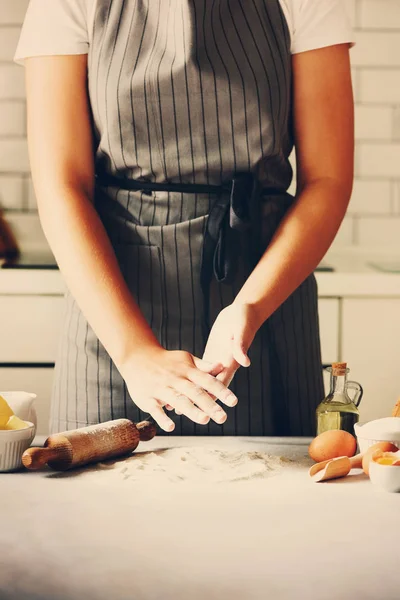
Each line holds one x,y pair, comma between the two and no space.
235,216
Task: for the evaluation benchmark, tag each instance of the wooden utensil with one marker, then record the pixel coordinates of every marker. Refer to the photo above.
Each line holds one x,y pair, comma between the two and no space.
79,447
396,409
335,467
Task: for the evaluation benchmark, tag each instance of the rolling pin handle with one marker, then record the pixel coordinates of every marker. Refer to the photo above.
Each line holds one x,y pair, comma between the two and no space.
147,430
36,458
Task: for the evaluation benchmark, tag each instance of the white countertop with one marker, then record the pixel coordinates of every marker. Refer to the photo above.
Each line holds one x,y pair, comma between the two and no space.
70,536
353,276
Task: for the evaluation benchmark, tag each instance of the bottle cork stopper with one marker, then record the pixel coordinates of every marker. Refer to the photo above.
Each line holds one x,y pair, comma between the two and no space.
339,368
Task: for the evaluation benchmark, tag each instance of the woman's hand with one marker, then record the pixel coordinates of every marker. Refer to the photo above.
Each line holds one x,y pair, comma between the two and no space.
230,338
158,378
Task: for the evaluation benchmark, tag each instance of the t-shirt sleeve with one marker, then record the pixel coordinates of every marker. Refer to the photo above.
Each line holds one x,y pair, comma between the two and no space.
53,27
320,23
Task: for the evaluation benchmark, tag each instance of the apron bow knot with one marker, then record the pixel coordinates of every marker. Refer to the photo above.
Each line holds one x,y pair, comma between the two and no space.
232,226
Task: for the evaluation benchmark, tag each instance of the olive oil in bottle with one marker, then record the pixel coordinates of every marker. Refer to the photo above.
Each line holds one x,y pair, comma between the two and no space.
338,410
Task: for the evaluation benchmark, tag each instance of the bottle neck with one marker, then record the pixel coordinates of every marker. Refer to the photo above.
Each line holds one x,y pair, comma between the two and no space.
338,384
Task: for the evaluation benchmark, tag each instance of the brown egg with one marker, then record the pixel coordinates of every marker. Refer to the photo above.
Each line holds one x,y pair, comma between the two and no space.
383,447
332,444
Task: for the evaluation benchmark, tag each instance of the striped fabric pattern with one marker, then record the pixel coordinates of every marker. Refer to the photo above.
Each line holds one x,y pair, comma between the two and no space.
190,91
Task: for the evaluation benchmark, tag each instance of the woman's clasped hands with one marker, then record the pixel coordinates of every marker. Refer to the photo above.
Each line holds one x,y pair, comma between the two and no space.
176,380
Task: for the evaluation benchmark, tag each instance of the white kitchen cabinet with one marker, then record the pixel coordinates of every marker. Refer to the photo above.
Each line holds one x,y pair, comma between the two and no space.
370,345
29,328
329,324
35,380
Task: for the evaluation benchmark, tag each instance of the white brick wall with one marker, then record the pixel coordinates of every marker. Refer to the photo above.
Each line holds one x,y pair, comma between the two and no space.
373,122
14,163
351,7
378,86
378,160
379,14
371,197
379,231
8,42
374,211
12,118
376,48
32,205
12,11
12,82
11,192
14,155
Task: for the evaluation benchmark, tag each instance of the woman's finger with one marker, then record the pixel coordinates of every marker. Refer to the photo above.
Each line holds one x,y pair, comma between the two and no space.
183,404
203,400
226,376
168,407
239,353
161,418
213,387
213,369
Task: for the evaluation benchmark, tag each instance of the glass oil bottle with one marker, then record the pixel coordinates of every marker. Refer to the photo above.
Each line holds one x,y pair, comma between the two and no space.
338,410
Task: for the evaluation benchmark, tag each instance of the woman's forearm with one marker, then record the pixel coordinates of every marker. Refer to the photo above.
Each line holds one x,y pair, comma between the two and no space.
61,151
298,246
91,271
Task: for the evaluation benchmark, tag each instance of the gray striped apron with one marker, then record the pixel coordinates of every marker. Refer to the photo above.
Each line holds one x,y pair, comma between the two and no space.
188,97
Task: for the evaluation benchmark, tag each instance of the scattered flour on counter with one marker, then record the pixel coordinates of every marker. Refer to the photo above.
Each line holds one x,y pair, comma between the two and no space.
195,464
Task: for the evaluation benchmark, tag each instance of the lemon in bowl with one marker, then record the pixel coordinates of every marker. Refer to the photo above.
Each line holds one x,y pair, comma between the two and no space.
16,436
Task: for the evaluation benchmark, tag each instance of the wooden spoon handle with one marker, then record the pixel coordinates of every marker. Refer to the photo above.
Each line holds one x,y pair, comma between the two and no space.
356,461
146,430
36,458
396,409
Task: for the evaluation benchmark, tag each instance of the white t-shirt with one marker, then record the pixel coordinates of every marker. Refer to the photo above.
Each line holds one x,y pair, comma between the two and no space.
54,27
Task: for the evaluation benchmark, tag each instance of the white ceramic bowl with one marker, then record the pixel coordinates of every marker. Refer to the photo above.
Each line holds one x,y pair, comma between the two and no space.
13,444
386,477
365,441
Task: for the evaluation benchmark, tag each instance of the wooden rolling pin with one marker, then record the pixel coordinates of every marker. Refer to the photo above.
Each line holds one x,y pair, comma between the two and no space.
80,447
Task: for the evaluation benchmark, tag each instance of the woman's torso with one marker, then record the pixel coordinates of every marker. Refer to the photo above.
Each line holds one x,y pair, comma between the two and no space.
189,92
